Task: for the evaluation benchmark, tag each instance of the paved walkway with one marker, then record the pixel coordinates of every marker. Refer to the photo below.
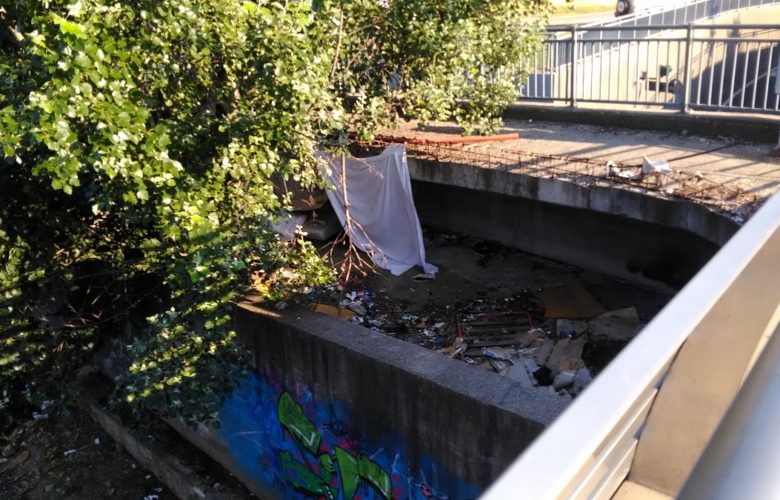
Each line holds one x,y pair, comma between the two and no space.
743,173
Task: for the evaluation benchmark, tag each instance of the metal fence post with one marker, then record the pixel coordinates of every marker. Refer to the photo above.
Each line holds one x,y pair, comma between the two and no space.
573,72
688,61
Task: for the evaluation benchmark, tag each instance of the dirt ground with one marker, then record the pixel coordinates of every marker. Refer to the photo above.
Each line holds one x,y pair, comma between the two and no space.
63,453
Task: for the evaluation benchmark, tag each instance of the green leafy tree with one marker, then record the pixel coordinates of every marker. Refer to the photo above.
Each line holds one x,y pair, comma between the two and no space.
140,141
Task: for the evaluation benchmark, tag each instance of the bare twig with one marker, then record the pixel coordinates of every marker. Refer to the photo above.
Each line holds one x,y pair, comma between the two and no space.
336,55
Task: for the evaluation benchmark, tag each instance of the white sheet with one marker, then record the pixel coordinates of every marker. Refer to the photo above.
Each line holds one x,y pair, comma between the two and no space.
381,204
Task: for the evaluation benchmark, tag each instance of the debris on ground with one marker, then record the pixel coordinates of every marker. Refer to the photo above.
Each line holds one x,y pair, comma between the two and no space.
621,325
333,311
654,166
547,335
63,456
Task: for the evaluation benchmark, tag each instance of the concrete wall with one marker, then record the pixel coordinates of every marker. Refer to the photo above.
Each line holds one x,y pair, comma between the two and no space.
333,410
630,235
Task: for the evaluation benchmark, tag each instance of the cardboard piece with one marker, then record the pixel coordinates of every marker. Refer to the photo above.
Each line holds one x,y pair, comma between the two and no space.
572,301
337,312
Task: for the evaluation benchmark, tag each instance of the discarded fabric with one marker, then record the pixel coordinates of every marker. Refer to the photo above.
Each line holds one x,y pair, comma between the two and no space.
380,204
288,224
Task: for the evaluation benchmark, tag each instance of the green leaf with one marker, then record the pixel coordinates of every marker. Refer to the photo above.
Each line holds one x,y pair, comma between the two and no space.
69,27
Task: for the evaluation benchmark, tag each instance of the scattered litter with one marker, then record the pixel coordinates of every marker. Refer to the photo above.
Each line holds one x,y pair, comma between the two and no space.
654,166
458,348
572,301
529,364
97,441
582,379
528,338
46,404
288,224
494,354
563,379
151,497
519,374
567,355
333,311
498,333
628,173
357,308
70,452
500,366
570,328
40,416
619,326
493,329
544,351
608,168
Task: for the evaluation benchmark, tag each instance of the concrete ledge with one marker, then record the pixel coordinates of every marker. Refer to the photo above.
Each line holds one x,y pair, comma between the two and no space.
680,214
469,421
750,128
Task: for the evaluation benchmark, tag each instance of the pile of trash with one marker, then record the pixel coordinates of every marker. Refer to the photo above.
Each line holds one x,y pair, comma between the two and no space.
540,356
537,339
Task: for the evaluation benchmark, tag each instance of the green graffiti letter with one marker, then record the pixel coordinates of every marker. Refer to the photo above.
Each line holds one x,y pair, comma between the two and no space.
374,474
350,477
354,470
302,478
292,418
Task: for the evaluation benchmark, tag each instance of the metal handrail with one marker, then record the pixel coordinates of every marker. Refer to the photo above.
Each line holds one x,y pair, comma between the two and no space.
691,72
589,450
741,459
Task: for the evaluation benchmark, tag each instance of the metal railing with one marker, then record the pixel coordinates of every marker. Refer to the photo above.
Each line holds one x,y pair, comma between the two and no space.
674,66
741,460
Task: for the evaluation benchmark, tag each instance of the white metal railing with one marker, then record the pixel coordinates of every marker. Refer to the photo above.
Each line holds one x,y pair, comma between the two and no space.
649,415
707,67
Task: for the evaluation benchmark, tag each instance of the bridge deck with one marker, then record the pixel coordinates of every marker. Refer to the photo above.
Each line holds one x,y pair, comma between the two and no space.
735,177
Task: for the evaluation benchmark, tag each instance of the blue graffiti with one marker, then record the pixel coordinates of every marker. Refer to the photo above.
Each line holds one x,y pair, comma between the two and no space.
298,447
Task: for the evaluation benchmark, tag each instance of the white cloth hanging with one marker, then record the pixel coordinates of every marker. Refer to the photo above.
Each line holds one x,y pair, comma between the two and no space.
379,191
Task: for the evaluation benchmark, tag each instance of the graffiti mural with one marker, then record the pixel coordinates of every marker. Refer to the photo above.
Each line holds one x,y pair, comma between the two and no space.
296,447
